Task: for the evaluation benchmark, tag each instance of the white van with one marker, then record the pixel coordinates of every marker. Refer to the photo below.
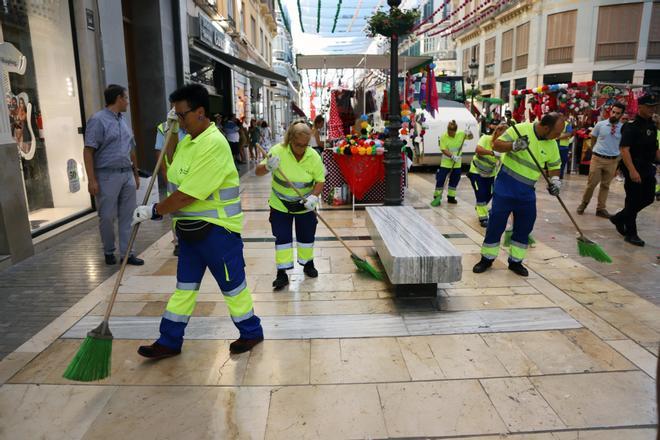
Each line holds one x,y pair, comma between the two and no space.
451,107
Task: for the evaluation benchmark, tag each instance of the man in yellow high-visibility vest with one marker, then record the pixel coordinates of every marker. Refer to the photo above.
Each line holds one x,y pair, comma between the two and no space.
203,188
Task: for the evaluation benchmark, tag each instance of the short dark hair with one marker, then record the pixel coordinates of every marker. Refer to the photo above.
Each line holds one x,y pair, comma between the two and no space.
620,106
195,95
550,119
264,124
112,92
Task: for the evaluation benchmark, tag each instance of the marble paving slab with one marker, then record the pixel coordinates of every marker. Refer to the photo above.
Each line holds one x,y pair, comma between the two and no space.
346,326
411,249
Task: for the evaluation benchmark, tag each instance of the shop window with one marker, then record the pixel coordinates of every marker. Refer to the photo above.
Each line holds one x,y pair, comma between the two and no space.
44,109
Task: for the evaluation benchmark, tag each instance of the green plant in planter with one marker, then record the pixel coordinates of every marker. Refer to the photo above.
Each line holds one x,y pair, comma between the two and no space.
397,22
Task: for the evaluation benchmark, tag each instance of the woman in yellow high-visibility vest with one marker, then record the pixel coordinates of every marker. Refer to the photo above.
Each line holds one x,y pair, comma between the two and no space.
304,167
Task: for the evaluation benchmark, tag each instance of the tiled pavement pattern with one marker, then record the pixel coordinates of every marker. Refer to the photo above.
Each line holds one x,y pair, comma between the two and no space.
637,269
36,291
594,379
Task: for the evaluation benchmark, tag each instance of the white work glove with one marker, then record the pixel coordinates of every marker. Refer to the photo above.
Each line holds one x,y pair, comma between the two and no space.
311,202
145,212
172,120
555,186
497,153
520,144
456,158
273,163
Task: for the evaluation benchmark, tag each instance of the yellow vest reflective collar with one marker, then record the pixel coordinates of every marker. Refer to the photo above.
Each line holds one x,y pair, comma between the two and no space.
208,155
520,165
453,144
300,173
486,166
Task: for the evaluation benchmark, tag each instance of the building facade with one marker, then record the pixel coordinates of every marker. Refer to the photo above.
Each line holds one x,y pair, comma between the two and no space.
528,43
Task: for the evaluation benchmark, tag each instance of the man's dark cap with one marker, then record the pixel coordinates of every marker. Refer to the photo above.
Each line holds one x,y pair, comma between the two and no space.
649,99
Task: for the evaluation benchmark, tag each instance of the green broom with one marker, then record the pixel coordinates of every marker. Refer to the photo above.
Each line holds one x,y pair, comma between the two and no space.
360,263
586,247
92,361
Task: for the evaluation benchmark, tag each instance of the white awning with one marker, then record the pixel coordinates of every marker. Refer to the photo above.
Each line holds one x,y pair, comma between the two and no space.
359,61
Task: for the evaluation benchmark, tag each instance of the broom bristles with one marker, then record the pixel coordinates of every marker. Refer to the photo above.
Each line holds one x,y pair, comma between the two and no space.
364,266
587,248
92,361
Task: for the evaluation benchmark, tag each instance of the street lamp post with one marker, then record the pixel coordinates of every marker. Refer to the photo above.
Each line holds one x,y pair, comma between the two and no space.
392,160
474,74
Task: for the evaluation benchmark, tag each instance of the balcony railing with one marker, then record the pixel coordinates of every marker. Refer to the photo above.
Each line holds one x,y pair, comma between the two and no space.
559,55
616,51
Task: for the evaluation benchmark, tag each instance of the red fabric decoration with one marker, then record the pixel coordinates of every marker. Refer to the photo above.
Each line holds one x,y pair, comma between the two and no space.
384,109
361,172
335,124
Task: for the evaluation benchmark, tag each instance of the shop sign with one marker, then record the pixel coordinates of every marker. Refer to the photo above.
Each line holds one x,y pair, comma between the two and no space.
213,36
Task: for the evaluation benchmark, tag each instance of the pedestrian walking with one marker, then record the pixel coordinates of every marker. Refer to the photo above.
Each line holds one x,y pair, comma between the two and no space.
266,136
243,141
161,129
254,133
483,170
564,143
639,150
205,204
317,130
112,172
230,129
304,167
606,137
451,146
514,191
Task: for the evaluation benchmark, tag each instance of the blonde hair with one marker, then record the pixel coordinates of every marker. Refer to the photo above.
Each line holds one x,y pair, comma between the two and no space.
297,127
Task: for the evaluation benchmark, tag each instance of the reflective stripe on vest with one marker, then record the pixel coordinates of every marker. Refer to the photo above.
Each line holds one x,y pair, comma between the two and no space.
230,211
485,167
518,177
299,185
225,193
290,198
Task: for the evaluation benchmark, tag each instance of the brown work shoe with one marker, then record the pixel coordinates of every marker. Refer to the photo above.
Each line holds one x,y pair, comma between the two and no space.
241,345
156,351
603,213
581,208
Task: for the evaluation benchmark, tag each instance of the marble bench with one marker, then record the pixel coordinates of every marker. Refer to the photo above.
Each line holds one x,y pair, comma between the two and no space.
414,253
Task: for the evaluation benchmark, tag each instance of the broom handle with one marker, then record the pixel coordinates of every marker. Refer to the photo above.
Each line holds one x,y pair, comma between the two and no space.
547,179
134,231
318,214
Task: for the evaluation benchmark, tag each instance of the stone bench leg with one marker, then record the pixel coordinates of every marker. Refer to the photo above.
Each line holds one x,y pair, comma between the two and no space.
416,290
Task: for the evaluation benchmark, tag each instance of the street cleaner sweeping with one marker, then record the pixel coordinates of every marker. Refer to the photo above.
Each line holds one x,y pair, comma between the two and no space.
483,169
203,199
298,177
514,191
451,145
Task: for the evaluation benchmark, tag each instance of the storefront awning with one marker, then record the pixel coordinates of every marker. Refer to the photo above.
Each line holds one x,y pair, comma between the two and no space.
359,61
236,63
297,110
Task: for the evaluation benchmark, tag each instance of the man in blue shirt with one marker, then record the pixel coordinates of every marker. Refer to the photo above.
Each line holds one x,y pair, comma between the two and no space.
112,172
605,137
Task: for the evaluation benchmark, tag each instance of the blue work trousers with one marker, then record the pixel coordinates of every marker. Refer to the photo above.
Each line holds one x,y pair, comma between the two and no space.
454,177
524,216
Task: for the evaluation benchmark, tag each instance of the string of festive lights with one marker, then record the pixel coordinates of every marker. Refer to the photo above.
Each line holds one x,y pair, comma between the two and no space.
426,20
475,20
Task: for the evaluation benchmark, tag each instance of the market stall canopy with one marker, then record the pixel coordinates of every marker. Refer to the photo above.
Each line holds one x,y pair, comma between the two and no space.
358,61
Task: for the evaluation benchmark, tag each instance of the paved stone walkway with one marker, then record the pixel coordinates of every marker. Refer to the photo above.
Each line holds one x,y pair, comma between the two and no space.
565,354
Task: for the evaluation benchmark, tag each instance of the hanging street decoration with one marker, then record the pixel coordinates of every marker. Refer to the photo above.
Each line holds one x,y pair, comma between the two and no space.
397,22
458,9
430,17
334,25
302,28
284,17
318,17
449,31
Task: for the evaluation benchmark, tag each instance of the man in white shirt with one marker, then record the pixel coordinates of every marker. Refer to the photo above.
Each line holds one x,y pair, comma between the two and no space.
605,137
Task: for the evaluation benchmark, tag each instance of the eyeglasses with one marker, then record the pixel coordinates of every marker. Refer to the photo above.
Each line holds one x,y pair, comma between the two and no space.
183,114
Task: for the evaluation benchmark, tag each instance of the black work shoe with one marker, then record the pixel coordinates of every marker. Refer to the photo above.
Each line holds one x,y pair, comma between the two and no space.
176,250
603,213
310,270
135,261
241,345
518,268
110,259
618,222
156,351
482,265
634,239
452,200
484,223
281,281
